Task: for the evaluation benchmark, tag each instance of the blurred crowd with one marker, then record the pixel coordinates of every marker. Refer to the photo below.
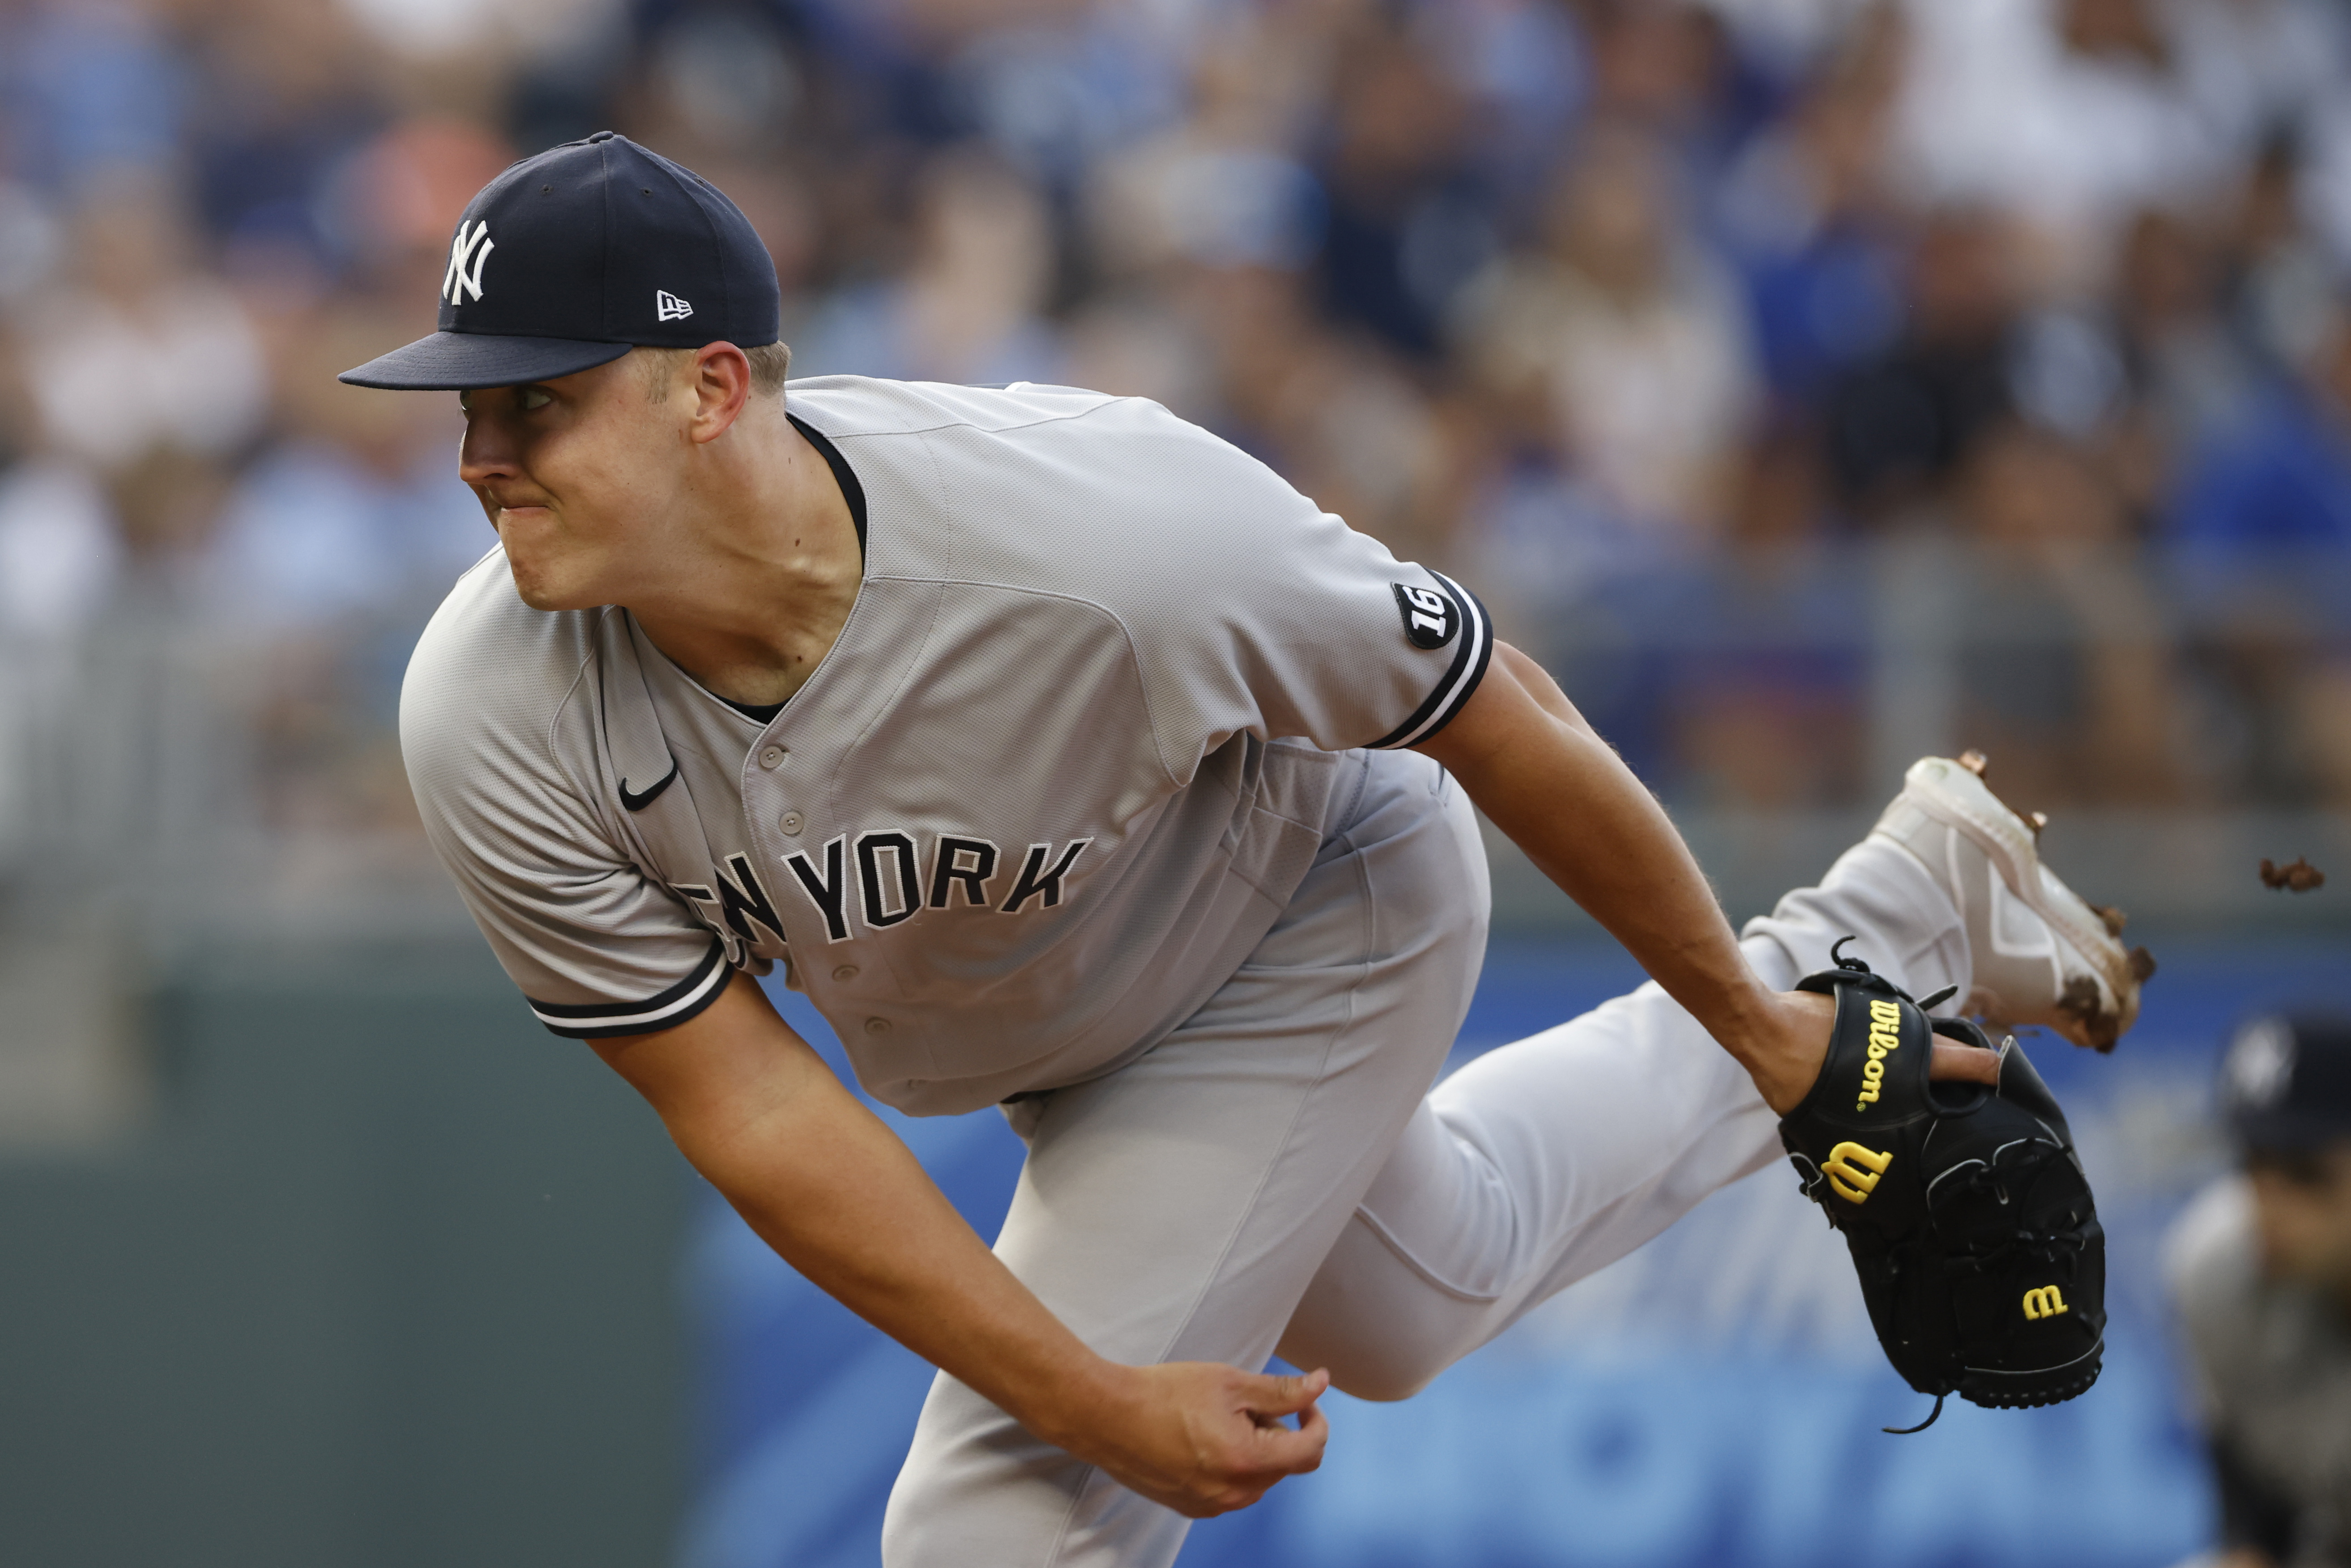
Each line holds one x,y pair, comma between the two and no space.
1722,346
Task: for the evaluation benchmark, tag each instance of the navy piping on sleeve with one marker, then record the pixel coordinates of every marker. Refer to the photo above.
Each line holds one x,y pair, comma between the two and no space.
667,1011
1470,657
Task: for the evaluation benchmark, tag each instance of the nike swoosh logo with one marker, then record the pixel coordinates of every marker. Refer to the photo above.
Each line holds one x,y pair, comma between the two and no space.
638,803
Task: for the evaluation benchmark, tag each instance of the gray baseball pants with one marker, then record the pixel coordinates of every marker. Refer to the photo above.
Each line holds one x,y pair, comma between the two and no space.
1280,1176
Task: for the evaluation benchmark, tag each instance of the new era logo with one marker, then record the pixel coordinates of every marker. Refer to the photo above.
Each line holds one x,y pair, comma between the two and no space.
668,306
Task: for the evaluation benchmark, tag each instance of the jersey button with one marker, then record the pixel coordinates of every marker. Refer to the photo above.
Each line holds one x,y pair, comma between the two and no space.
847,972
772,757
877,1026
790,822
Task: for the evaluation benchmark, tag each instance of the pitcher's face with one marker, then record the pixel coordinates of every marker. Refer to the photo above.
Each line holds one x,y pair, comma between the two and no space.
577,474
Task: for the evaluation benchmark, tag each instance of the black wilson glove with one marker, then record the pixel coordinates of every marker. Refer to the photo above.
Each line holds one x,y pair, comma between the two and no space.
1965,1209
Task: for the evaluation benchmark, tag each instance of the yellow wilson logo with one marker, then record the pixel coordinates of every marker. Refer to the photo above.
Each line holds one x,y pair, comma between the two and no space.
1854,1171
1885,1035
2044,1301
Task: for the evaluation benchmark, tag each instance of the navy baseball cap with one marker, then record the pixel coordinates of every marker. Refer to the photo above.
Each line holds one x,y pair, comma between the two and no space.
574,257
2287,1082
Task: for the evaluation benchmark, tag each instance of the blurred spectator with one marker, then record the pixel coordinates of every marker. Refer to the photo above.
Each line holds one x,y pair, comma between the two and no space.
2153,368
136,348
1526,67
2252,67
92,87
969,306
2069,113
1734,678
1197,238
2284,481
716,84
30,240
1901,423
356,509
1618,341
440,31
59,561
2260,537
1244,353
1358,436
1807,215
1407,225
59,553
2280,281
2188,378
385,213
287,90
1221,186
1062,85
2261,1273
1511,284
166,504
2064,664
1767,706
1667,65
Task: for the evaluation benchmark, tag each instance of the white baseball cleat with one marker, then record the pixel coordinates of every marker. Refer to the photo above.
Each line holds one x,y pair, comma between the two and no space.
2041,955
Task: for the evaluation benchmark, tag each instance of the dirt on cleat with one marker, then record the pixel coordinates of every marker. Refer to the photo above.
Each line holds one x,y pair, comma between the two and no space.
2091,1009
1977,763
2090,1025
2301,876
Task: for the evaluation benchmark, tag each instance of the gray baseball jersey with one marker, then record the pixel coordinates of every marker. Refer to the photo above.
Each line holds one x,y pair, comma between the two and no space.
1064,765
2271,1364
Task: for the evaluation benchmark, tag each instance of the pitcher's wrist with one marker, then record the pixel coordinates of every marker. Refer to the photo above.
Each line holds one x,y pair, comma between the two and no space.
1078,1401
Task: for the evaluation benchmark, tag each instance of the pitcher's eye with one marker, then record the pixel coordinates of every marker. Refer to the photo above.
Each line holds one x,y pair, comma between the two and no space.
465,402
535,398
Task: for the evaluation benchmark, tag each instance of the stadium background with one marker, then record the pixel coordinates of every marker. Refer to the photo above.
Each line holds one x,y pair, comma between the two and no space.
1813,383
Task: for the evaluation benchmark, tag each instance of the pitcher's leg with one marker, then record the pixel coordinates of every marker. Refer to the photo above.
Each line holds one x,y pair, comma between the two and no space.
1175,1210
1548,1159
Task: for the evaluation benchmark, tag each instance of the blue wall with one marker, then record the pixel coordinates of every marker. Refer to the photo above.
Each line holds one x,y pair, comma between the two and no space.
1714,1400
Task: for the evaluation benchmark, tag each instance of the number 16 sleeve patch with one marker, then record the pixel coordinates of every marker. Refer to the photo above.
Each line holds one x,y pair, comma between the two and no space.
1433,617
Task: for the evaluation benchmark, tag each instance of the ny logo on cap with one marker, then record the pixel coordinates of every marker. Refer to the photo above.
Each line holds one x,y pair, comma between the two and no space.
668,306
2260,1063
475,248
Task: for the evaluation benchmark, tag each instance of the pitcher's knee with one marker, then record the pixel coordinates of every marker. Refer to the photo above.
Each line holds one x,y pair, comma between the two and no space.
1383,1380
1388,1358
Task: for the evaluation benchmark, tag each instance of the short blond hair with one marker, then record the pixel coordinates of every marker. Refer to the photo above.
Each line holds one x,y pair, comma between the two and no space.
771,363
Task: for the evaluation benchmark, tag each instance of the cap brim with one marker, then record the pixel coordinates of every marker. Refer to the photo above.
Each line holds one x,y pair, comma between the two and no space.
460,361
2291,1132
